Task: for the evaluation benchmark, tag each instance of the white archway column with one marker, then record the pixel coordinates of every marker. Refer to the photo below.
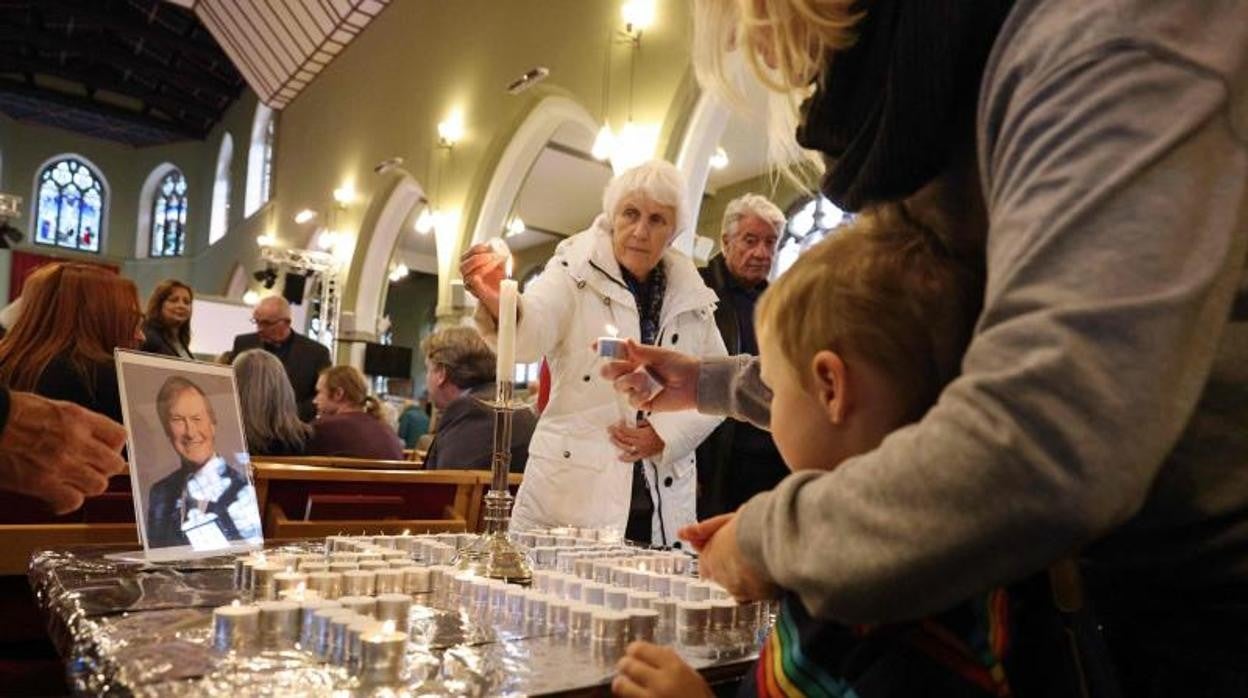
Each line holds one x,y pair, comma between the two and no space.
706,126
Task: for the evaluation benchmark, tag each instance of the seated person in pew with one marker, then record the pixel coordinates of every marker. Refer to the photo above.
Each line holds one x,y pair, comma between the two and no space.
206,497
856,340
350,422
270,413
459,368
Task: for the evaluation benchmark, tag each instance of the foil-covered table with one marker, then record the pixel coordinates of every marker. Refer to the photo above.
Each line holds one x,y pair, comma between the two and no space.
129,628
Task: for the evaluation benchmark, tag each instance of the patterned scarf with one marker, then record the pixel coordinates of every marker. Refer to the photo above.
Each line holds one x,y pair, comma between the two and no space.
648,295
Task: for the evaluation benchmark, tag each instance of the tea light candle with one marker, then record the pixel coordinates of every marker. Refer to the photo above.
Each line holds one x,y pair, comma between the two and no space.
308,625
609,626
572,589
580,617
416,580
666,608
535,604
320,634
693,620
389,581
242,571
557,611
363,605
289,580
611,346
642,623
661,584
394,607
263,584
279,624
679,587
235,627
698,591
641,599
338,625
515,602
593,593
616,598
381,656
359,582
343,567
298,595
327,584
374,565
583,568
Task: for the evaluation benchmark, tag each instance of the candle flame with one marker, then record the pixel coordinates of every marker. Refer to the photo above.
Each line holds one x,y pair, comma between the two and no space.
613,330
301,588
235,603
387,627
406,531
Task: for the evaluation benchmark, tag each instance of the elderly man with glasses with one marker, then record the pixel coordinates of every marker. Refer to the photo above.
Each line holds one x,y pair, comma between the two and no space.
303,358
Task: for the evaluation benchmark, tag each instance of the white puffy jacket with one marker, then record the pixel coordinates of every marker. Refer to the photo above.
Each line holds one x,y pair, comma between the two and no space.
573,476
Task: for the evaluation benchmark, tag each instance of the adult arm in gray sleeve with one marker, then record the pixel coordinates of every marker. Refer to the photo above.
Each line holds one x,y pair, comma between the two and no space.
1115,190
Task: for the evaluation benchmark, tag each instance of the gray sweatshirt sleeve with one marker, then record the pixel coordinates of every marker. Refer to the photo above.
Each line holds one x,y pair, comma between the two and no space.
730,386
1116,194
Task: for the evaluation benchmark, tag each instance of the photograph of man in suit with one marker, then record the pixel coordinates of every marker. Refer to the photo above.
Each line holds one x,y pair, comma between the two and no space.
303,358
206,502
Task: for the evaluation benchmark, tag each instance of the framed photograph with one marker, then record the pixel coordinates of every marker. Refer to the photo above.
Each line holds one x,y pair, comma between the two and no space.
194,494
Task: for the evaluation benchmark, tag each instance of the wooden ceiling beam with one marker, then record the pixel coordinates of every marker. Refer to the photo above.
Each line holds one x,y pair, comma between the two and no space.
94,12
108,110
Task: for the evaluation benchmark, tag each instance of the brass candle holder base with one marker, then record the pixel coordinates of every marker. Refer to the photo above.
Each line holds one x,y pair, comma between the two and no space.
492,555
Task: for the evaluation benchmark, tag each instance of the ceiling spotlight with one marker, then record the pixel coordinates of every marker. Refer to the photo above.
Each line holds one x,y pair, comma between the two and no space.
344,194
305,215
528,80
516,226
720,159
604,143
386,165
451,131
638,14
425,221
251,298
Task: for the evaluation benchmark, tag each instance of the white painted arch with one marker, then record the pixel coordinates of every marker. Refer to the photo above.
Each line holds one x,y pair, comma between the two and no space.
702,134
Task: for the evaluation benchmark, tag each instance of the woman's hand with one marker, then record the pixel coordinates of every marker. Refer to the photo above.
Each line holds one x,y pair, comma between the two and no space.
482,268
648,670
677,372
636,443
721,560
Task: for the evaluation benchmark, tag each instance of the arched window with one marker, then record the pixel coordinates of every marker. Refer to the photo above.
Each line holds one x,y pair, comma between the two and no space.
260,160
219,220
72,205
169,216
809,221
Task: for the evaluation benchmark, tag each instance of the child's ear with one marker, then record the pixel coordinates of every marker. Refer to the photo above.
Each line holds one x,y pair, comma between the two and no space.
830,385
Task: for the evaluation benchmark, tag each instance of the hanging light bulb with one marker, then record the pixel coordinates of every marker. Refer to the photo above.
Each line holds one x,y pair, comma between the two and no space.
515,227
720,159
424,222
604,144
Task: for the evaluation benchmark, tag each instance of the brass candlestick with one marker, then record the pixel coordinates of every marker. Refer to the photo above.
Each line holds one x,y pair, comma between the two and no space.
492,554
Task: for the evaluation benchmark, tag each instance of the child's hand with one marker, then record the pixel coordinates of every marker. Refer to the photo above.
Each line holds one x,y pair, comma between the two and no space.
650,670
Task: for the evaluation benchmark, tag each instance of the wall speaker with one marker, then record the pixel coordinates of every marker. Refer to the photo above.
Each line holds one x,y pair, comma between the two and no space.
294,287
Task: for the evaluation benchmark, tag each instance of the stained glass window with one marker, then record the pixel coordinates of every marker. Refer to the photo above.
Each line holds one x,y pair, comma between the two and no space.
810,221
169,216
71,206
266,171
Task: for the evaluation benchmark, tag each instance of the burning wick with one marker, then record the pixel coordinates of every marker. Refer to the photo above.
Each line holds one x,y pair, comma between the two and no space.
611,346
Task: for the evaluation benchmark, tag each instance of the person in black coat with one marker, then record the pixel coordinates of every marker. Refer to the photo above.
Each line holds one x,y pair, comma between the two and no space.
739,460
167,327
302,358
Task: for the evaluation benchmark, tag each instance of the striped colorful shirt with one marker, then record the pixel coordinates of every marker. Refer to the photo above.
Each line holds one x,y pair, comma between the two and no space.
957,654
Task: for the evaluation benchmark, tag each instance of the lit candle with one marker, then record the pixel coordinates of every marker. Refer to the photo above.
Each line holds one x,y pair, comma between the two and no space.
381,655
235,627
327,584
389,581
263,581
359,582
394,607
363,605
611,346
508,294
289,581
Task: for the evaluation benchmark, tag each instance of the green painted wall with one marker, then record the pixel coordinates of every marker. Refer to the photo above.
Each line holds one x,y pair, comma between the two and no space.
410,304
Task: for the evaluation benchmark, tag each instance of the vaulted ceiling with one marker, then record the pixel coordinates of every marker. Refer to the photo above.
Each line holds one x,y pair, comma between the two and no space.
140,72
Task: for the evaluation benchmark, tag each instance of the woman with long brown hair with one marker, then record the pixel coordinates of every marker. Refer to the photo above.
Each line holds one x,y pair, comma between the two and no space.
350,422
61,347
167,324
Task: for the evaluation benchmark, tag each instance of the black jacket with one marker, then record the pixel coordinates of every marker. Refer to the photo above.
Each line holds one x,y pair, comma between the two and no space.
155,342
727,477
164,508
303,360
464,438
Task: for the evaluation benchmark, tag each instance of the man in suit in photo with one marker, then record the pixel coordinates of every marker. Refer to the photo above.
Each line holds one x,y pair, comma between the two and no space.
206,502
302,358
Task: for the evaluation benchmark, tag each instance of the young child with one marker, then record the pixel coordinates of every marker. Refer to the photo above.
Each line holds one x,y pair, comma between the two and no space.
857,340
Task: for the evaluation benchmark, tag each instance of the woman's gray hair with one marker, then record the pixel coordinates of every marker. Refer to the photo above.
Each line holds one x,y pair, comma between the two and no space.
659,181
750,205
270,414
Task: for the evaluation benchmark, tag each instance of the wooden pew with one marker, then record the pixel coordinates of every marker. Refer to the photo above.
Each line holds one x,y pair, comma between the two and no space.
26,524
295,499
341,462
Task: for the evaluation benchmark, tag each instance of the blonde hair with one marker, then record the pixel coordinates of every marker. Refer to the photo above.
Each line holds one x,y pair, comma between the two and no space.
796,36
889,292
354,389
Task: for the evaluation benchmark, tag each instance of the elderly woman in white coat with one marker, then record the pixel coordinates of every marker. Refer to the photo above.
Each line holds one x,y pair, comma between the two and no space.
619,273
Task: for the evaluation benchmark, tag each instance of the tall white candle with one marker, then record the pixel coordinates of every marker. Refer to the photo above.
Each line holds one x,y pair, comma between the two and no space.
508,293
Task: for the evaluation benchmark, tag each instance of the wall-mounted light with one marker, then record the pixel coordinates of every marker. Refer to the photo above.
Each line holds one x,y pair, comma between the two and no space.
604,143
305,216
515,226
451,130
720,159
327,240
634,146
424,222
399,273
344,194
266,240
251,298
638,15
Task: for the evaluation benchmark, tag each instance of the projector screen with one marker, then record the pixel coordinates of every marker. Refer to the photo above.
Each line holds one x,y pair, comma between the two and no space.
216,320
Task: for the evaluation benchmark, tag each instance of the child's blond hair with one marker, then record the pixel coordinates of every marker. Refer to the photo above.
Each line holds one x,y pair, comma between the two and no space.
886,290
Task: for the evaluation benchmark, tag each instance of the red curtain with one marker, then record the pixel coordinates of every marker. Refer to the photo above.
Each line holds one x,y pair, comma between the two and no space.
24,263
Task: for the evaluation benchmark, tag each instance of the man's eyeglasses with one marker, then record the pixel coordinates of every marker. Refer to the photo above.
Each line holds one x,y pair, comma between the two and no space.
268,323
